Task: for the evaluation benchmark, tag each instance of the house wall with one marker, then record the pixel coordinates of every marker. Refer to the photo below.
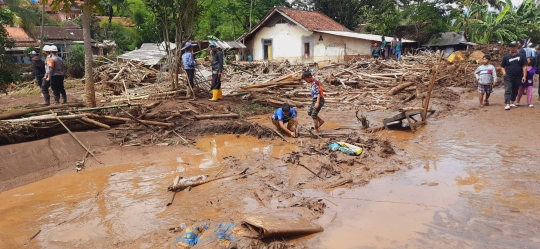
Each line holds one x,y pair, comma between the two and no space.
335,48
288,44
286,40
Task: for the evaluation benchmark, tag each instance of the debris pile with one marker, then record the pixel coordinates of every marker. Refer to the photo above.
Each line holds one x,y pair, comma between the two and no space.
119,76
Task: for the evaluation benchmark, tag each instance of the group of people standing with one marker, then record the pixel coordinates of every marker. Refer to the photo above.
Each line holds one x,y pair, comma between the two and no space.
382,51
188,60
518,70
49,73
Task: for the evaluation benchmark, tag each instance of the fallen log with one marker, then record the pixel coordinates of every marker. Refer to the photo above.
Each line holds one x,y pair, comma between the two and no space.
399,87
128,119
18,113
193,182
91,121
215,116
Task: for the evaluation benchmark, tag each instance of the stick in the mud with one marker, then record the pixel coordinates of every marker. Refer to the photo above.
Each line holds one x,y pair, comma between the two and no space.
430,88
279,134
73,135
126,92
33,236
310,171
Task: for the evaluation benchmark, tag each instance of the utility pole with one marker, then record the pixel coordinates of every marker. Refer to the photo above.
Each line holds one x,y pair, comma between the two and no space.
250,11
42,23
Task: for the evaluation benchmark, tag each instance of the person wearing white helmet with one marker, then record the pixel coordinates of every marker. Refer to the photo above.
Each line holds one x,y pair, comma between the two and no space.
46,82
56,76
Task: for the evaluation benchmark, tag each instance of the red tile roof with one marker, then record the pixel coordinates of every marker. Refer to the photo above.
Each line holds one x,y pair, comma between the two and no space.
22,39
309,20
313,20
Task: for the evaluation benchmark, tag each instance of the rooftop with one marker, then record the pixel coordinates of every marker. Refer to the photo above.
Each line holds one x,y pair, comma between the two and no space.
308,20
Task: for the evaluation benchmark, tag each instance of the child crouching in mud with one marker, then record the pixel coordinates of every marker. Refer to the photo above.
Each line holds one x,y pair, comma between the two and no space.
487,78
317,103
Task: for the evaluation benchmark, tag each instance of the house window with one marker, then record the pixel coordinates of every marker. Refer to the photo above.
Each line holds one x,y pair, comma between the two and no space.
306,50
281,20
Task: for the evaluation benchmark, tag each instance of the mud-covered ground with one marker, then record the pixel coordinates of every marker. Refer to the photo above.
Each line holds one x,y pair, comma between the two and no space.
467,180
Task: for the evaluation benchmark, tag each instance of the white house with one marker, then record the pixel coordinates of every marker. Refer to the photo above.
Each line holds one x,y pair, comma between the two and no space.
305,35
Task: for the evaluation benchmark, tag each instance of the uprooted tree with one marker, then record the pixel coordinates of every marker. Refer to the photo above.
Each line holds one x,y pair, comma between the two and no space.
176,20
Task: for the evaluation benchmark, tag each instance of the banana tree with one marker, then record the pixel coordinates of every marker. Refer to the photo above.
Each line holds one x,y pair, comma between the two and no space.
494,27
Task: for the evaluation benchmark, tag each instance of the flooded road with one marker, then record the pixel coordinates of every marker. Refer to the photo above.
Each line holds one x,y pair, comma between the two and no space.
465,189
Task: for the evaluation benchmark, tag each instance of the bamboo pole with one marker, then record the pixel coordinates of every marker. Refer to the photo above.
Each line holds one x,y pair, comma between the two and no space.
45,118
73,135
18,113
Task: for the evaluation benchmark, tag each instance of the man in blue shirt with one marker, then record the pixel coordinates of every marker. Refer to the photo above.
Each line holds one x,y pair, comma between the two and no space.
285,114
189,65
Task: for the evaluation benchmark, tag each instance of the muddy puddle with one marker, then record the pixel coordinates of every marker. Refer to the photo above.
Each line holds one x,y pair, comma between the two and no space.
124,204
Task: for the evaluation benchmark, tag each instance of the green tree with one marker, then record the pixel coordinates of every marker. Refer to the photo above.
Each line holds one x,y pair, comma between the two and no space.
75,61
125,38
494,28
8,71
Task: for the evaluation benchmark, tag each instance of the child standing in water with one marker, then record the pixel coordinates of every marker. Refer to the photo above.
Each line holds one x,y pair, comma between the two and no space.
528,84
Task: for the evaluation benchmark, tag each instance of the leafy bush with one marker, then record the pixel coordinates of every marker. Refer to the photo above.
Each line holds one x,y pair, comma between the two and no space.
74,63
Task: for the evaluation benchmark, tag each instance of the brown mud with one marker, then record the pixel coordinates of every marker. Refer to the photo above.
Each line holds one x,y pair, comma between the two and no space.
466,180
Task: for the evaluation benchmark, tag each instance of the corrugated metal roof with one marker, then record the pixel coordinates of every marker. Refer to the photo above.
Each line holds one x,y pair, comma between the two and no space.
368,37
149,53
230,44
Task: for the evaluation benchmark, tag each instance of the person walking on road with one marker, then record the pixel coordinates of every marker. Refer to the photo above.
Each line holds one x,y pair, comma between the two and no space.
38,67
189,65
486,74
55,75
286,115
217,69
527,85
514,71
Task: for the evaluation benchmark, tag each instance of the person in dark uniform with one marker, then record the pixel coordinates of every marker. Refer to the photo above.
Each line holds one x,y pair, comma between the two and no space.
217,69
39,68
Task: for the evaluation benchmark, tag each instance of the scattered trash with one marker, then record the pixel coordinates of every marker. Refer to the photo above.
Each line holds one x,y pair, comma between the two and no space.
19,195
191,236
346,148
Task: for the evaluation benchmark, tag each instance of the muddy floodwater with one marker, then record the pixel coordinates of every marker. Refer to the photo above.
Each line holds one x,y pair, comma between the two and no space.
463,190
